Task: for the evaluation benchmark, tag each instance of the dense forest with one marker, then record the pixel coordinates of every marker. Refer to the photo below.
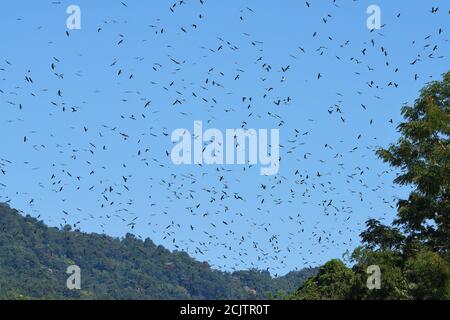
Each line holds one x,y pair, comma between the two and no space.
34,259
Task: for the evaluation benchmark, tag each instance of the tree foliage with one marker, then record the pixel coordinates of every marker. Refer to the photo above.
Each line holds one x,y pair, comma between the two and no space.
423,156
412,253
333,282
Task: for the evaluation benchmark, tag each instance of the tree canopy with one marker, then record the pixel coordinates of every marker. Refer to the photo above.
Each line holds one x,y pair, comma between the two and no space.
412,254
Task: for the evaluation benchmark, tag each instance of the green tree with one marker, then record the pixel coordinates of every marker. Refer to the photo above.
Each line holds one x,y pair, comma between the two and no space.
420,234
394,285
428,274
423,156
333,282
412,253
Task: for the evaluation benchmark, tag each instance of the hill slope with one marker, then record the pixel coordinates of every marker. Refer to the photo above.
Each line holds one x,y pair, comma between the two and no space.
34,259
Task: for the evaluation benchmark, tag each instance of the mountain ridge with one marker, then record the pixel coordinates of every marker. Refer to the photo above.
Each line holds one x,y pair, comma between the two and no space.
34,259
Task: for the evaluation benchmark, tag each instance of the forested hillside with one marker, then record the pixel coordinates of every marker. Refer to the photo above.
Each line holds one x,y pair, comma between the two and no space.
34,259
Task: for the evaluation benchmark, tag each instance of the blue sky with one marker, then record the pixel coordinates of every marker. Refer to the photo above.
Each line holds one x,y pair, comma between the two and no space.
73,166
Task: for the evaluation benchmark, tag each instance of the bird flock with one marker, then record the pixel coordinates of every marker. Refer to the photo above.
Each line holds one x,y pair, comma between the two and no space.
86,119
